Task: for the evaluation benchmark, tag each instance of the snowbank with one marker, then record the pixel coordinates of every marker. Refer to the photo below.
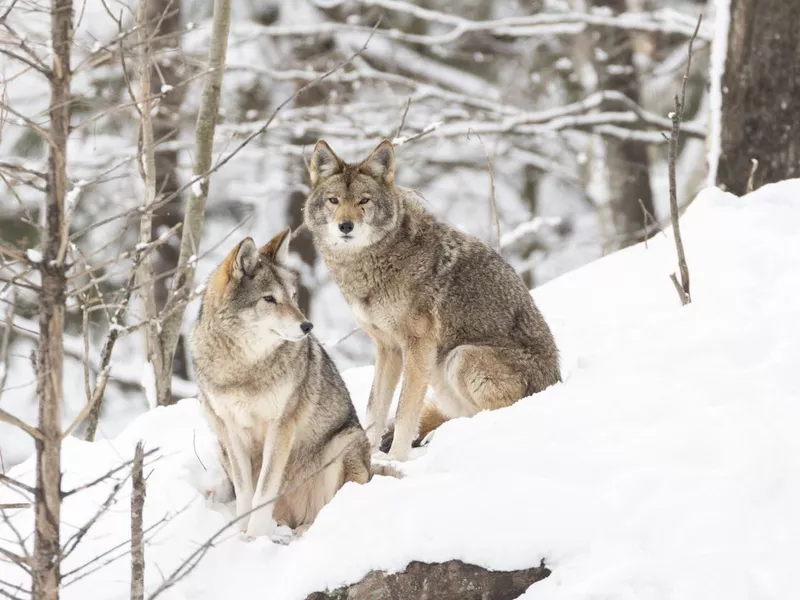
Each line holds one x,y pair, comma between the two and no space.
667,465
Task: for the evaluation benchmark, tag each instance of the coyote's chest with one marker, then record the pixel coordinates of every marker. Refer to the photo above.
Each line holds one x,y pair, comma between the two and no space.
251,409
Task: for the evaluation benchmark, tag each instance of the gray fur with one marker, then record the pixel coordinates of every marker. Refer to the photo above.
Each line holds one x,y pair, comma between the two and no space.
248,376
414,283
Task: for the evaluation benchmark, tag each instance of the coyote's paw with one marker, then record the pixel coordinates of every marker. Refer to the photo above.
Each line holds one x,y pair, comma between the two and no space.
398,454
387,438
281,535
264,525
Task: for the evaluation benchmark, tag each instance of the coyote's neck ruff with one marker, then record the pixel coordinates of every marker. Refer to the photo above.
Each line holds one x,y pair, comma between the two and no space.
440,305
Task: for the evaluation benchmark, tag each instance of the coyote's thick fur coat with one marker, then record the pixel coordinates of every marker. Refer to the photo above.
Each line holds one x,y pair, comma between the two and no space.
282,413
441,306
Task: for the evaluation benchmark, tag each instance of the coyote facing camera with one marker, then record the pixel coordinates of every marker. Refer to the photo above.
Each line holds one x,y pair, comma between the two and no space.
441,306
271,393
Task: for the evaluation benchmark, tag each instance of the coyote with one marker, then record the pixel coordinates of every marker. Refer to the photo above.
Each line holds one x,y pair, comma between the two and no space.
440,305
272,395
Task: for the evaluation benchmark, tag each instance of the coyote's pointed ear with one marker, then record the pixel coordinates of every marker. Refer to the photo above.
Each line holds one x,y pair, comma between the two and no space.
380,164
324,163
245,259
277,249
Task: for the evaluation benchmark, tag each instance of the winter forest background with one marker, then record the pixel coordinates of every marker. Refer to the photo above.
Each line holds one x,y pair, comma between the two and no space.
140,140
539,120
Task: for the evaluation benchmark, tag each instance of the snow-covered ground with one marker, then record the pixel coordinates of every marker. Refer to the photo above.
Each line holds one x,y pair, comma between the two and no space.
667,465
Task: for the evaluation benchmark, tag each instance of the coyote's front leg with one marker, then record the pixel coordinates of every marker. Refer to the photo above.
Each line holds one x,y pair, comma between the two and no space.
388,366
418,358
277,447
242,472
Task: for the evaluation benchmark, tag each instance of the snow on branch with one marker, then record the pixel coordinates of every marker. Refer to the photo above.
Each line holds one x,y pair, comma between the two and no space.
544,24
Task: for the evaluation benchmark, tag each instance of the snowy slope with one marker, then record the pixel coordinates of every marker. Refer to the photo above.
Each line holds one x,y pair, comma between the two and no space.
667,465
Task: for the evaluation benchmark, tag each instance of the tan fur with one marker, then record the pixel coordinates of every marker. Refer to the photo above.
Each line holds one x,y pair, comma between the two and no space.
430,419
440,305
286,426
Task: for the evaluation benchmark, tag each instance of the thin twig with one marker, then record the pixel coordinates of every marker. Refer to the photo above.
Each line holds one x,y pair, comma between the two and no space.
751,179
194,447
102,478
137,533
492,197
677,117
403,119
9,322
17,484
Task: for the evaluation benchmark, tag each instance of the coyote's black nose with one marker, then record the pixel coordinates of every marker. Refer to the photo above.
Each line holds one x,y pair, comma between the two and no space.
306,326
346,227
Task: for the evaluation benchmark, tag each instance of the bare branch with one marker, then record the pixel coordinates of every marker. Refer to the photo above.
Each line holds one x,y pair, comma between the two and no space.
22,169
5,367
544,24
492,198
17,484
105,476
677,117
26,61
752,177
137,534
12,420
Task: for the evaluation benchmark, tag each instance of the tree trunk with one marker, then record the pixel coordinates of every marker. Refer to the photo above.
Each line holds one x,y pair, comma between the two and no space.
626,160
452,580
168,69
761,94
47,546
194,217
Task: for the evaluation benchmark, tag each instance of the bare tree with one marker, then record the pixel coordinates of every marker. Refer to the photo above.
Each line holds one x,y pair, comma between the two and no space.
760,94
194,217
627,160
47,547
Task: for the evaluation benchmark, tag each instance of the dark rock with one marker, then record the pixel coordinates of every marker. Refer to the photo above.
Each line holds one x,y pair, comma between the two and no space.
452,580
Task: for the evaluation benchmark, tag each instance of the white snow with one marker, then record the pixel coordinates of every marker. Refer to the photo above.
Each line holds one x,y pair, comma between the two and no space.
149,385
33,255
667,465
71,197
719,51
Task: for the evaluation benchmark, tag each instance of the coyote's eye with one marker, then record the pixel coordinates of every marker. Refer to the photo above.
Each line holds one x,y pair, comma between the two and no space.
294,297
364,200
270,299
333,200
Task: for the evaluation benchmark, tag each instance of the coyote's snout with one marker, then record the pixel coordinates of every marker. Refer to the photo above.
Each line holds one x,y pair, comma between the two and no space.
283,416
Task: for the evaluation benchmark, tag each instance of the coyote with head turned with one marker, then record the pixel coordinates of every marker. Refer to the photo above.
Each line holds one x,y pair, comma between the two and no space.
280,409
440,305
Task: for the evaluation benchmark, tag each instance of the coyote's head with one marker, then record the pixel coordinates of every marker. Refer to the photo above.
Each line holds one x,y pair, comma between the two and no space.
351,205
254,293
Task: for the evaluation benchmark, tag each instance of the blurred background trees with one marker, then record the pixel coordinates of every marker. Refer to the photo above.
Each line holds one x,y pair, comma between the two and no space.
554,108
